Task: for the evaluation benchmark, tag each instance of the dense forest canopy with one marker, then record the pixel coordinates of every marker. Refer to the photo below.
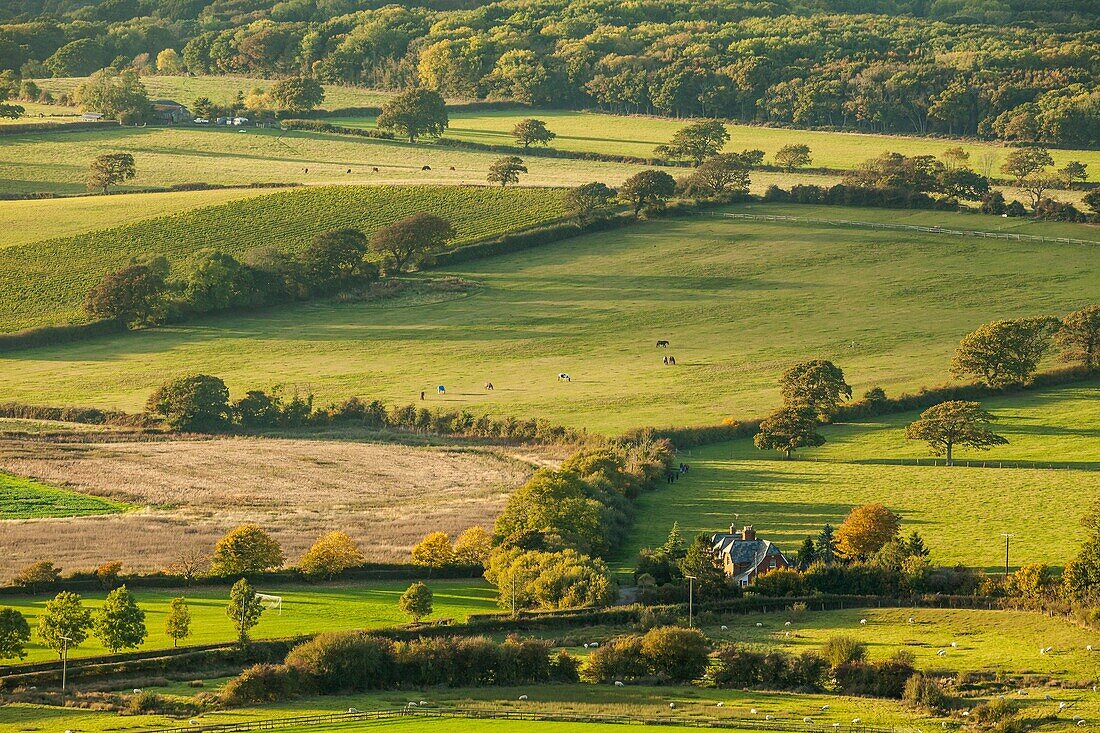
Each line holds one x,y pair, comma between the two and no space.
1005,69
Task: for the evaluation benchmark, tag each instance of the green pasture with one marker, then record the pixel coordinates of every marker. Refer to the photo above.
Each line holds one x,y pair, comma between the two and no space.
36,220
34,112
44,283
307,609
739,300
593,132
223,90
22,498
960,511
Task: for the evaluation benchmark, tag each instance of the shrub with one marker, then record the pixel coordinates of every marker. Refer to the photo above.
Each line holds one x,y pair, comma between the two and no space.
345,661
883,679
739,667
780,582
262,683
198,402
108,574
925,694
621,658
675,653
37,575
840,650
564,667
416,602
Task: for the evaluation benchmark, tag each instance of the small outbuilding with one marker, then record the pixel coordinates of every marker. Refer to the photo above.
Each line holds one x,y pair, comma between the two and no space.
91,117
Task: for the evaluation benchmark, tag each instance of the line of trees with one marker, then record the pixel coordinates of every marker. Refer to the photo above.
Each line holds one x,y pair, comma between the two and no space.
1021,72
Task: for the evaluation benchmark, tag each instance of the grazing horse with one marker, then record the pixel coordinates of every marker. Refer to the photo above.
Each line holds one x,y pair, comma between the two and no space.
441,389
665,361
426,168
374,170
349,170
672,360
662,342
489,386
563,377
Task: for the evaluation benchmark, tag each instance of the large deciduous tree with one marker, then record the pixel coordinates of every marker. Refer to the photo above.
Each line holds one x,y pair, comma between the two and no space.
411,241
1081,578
696,142
1002,353
506,170
532,132
15,632
246,549
330,555
120,624
199,402
435,551
414,113
134,295
334,259
1078,336
795,155
109,169
64,622
297,94
722,173
866,530
589,200
818,385
787,430
954,423
647,189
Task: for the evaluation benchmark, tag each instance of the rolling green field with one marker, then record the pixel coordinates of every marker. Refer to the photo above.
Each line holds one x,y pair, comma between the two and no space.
22,498
45,282
593,132
223,89
306,609
960,511
36,220
740,301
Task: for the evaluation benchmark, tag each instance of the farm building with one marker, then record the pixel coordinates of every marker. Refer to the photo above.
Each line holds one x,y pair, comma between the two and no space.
745,556
171,111
91,117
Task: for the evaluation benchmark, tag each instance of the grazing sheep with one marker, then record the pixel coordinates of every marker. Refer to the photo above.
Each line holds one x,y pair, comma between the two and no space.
720,704
727,628
966,713
758,624
1088,648
353,710
941,653
1063,705
954,645
423,702
593,644
863,622
769,717
672,706
523,697
618,683
856,721
137,690
824,707
788,623
912,620
807,720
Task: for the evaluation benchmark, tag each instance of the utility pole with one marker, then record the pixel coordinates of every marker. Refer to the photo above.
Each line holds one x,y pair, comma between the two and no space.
64,661
1008,536
691,598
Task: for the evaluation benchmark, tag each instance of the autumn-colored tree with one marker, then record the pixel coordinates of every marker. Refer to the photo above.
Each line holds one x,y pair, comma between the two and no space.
1002,353
37,575
866,530
953,423
1079,336
434,551
787,430
246,549
473,547
818,385
330,555
416,602
1030,582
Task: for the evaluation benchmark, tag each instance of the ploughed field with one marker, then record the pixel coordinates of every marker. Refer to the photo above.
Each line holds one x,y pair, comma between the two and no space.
739,300
1037,487
79,503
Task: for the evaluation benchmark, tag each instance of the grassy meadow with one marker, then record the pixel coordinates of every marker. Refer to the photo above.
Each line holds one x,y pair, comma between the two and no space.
44,283
307,609
960,511
739,300
22,498
594,132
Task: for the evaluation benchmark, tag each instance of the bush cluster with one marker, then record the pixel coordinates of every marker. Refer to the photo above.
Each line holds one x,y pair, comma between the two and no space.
318,126
738,667
667,653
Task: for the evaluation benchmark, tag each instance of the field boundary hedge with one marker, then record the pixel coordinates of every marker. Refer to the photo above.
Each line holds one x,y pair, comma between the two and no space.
22,128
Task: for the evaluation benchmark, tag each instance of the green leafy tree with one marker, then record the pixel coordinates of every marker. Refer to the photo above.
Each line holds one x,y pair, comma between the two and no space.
198,402
817,385
1075,170
244,609
246,549
1003,353
435,551
696,142
335,258
177,622
118,96
506,170
647,189
1024,162
701,562
589,200
1081,579
915,546
64,622
169,62
134,295
532,132
120,624
558,502
787,430
411,241
807,553
15,632
203,107
676,654
795,155
416,602
1092,200
1078,336
109,169
415,113
954,423
297,94
721,173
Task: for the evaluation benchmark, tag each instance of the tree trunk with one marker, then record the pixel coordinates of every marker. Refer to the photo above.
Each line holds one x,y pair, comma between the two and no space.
949,447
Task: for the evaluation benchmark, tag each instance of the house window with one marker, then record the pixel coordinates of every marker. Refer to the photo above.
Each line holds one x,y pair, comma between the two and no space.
771,565
744,582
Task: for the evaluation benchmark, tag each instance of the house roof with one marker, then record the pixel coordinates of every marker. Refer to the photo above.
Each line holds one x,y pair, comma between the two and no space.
743,552
166,103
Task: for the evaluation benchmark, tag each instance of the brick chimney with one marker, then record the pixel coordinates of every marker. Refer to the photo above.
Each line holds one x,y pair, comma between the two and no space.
748,533
733,529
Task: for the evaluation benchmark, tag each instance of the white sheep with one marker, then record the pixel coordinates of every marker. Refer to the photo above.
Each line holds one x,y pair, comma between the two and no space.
787,623
758,624
807,719
353,710
912,620
1049,649
863,622
954,645
1088,648
189,722
1063,705
593,644
619,683
941,653
586,645
672,706
423,702
522,697
966,713
725,628
824,707
769,717
856,721
1081,721
752,711
720,704
137,690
